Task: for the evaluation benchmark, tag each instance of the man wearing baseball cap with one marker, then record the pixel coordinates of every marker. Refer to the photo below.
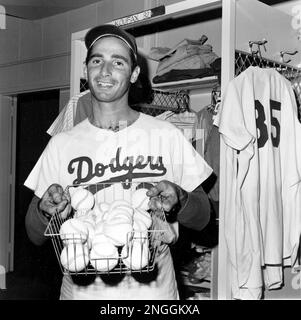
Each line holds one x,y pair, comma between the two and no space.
118,144
111,30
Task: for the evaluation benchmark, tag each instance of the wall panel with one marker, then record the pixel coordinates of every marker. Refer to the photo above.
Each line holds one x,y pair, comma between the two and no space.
56,34
30,39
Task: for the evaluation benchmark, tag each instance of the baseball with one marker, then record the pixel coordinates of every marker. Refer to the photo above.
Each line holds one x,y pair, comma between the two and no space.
82,199
118,203
140,231
143,216
98,212
139,225
119,234
119,215
140,199
86,215
104,206
99,238
121,208
73,231
136,257
99,228
91,231
104,255
75,258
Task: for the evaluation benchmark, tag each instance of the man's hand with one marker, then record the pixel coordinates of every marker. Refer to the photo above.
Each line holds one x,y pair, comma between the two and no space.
170,197
55,200
163,195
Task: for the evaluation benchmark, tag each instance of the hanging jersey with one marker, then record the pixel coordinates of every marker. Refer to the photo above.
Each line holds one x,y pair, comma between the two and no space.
259,125
71,113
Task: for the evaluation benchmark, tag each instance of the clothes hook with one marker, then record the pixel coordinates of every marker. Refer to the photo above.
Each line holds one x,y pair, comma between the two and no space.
282,53
259,44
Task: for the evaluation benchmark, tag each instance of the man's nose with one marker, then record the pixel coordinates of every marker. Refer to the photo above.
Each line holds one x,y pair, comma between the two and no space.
106,69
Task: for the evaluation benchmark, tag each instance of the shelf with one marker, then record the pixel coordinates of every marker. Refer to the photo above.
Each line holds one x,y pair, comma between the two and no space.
190,84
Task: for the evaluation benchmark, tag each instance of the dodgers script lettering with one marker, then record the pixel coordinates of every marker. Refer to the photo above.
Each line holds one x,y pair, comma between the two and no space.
130,166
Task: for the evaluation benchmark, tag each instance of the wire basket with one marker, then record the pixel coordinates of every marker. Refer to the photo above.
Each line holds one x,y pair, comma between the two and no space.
139,253
177,101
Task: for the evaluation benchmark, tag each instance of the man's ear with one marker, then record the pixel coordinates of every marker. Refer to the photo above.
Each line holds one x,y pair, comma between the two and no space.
135,74
85,72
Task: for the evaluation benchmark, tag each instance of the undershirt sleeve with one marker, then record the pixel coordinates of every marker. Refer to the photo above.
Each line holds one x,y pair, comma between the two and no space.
195,214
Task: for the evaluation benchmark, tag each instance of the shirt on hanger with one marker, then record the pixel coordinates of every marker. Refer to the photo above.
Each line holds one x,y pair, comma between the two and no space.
208,145
261,186
186,121
74,111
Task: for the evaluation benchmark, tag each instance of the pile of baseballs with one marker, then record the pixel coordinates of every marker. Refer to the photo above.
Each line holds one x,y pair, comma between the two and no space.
102,233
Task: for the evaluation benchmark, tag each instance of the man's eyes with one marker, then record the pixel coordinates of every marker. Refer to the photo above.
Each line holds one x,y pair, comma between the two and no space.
95,61
116,63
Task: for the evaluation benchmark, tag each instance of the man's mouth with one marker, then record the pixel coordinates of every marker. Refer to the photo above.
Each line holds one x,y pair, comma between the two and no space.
104,84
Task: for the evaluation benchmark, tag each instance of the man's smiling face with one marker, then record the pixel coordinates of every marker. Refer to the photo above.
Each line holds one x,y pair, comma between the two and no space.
109,70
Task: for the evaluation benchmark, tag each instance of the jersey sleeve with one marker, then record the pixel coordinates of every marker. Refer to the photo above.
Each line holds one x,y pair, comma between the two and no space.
231,120
292,125
46,170
190,169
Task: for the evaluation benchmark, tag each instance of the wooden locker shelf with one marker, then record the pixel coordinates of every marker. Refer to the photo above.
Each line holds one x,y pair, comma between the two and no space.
191,84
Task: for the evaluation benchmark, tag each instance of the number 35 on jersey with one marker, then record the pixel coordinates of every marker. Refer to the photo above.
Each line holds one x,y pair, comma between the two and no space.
264,133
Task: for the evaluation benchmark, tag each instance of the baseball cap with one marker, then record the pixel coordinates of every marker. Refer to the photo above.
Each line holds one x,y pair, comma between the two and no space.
107,30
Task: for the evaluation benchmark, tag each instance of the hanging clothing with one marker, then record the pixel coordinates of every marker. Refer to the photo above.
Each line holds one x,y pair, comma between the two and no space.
186,121
79,108
261,186
75,110
205,124
208,145
189,59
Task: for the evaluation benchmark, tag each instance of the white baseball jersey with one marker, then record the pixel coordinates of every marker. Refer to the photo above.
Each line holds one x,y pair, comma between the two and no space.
149,150
261,132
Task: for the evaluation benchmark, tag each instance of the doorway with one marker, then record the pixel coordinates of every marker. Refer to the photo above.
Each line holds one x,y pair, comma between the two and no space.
36,273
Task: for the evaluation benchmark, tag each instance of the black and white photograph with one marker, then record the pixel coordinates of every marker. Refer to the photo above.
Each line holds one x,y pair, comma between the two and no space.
150,154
